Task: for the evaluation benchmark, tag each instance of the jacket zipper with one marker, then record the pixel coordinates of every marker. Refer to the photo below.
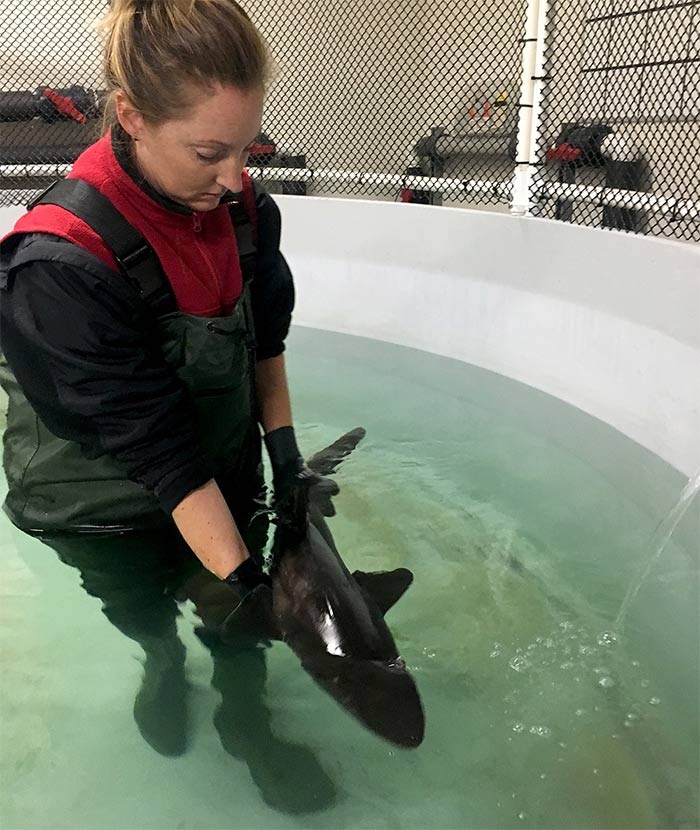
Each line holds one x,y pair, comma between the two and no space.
197,226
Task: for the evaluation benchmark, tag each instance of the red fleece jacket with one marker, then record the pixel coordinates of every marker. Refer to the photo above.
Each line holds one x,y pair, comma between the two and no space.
198,251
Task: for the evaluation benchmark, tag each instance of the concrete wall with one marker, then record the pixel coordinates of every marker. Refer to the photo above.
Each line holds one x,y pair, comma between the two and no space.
359,83
49,42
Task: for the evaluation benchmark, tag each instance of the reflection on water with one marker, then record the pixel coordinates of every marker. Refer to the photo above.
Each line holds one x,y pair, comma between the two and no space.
524,522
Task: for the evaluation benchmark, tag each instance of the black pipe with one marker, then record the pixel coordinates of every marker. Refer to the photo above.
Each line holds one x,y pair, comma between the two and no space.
25,105
623,175
41,153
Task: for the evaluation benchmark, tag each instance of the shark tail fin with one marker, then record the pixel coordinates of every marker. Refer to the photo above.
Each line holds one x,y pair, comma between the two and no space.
385,587
382,696
325,462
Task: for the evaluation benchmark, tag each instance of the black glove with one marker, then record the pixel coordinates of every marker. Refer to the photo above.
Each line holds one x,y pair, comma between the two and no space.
247,577
252,614
289,469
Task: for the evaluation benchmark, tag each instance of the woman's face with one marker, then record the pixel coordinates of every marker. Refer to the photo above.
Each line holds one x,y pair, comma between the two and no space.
196,158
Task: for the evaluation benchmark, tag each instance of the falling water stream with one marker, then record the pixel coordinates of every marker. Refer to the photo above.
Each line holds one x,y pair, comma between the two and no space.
658,543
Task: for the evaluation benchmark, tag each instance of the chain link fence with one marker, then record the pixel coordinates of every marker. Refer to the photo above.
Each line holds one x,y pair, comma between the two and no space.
621,87
374,92
584,111
49,83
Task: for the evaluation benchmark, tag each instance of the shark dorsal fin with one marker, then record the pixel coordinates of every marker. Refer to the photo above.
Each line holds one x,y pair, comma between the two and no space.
325,462
385,587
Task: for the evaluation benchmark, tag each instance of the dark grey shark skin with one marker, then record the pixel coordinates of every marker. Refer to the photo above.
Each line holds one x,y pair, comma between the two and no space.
334,620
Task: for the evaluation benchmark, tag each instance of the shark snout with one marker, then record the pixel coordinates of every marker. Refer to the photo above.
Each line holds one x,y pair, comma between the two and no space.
382,695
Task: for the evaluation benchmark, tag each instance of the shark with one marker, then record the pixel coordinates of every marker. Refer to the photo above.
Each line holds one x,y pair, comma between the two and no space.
332,619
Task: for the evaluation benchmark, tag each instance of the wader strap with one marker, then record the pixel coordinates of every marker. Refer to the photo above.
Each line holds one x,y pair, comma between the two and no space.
245,239
134,256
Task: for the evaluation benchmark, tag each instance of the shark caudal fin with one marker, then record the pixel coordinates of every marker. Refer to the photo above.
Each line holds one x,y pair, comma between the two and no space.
382,696
325,462
385,587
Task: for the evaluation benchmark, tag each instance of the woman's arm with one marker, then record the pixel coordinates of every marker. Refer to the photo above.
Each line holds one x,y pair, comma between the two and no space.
206,524
273,393
203,517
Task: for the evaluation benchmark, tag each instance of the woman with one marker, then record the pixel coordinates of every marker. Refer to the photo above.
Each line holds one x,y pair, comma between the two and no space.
138,382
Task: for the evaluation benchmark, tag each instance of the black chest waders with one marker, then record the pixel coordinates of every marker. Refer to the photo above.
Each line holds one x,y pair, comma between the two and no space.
53,485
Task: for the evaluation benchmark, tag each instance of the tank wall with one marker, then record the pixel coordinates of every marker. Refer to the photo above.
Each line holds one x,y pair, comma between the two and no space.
607,321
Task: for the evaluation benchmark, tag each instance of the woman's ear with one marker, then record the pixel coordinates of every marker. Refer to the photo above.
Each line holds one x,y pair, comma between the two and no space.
128,116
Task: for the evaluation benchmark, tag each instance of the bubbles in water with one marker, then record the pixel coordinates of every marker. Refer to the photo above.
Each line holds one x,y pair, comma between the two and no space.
580,712
518,727
635,664
543,775
607,638
567,664
606,682
542,731
522,816
519,664
630,719
655,701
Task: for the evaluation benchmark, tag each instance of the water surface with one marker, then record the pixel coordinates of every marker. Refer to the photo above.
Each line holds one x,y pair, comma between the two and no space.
524,522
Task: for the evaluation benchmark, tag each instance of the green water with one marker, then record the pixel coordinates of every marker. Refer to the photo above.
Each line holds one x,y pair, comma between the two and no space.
524,521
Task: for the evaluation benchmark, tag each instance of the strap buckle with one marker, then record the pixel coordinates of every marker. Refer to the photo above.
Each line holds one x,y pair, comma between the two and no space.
134,257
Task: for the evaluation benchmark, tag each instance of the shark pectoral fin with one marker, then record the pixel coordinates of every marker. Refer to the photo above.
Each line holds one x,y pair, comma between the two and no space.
382,696
385,587
251,618
325,461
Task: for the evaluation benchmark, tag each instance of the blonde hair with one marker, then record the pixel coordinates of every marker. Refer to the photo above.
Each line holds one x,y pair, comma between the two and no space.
159,52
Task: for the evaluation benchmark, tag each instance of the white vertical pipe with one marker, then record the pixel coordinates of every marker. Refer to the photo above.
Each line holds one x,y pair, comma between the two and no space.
531,104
